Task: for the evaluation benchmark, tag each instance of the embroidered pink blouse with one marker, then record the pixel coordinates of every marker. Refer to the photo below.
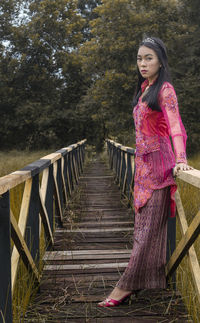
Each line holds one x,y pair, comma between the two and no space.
154,157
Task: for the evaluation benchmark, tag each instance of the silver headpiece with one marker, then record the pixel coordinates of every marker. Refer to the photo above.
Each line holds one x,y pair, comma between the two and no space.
149,40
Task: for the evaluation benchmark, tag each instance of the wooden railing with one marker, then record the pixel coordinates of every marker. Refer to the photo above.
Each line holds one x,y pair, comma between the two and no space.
122,162
48,183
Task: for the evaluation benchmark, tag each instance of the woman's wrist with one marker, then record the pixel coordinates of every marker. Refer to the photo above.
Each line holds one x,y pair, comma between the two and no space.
181,167
181,161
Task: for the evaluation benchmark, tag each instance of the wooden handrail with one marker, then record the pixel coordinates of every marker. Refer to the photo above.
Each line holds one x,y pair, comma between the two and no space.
121,159
43,200
118,156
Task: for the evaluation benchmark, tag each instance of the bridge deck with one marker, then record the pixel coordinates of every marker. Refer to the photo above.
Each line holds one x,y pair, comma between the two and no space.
89,255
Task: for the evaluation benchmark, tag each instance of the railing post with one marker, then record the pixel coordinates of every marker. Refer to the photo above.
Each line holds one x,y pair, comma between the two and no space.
5,261
122,169
74,164
66,174
83,152
77,158
171,244
109,151
80,161
118,163
49,195
70,170
111,155
59,181
115,161
57,195
129,174
32,226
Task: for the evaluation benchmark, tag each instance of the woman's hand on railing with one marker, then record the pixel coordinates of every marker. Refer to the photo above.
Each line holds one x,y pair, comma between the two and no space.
180,167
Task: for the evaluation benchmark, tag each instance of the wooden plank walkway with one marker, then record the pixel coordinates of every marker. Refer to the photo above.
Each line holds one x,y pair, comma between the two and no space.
88,258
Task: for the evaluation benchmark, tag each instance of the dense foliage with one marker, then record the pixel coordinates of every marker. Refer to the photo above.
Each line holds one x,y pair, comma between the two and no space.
68,68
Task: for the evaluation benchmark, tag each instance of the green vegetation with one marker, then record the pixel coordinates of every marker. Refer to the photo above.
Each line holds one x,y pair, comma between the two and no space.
68,68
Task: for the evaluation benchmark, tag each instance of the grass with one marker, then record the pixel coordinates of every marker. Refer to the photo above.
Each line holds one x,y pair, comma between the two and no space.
13,160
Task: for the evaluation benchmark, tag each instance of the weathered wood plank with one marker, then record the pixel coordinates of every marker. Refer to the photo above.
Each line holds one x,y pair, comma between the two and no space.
191,176
85,178
47,193
86,266
45,220
63,178
82,230
100,224
148,306
102,239
56,257
9,181
84,252
57,195
37,166
86,261
81,245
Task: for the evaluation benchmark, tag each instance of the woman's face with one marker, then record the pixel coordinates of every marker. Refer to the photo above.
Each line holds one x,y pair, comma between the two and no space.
148,63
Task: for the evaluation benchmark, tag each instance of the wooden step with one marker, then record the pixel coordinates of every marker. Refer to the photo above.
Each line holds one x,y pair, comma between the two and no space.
86,267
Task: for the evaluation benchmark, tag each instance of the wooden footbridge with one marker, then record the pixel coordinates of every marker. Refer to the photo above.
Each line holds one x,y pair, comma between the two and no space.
88,236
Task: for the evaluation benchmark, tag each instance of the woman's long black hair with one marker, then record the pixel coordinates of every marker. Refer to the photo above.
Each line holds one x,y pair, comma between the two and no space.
164,76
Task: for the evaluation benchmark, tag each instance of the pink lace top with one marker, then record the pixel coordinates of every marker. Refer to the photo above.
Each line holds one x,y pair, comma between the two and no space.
154,157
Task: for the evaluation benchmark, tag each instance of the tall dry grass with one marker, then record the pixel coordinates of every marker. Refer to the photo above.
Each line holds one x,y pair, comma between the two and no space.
190,197
13,160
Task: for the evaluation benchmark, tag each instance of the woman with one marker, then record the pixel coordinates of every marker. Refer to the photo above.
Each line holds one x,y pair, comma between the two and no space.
156,117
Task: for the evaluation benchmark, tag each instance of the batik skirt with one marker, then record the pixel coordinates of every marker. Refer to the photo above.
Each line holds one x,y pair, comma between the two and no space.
146,268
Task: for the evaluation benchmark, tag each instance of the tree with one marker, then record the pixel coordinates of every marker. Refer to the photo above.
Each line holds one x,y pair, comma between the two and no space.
109,58
44,61
187,72
86,8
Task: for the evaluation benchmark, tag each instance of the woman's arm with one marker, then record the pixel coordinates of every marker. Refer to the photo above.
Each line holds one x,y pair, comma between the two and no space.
169,105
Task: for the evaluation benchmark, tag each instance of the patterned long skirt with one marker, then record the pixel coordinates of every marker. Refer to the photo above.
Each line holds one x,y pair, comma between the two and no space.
146,268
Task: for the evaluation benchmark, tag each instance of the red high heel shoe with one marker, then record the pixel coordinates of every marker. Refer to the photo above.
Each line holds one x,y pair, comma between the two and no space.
110,302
